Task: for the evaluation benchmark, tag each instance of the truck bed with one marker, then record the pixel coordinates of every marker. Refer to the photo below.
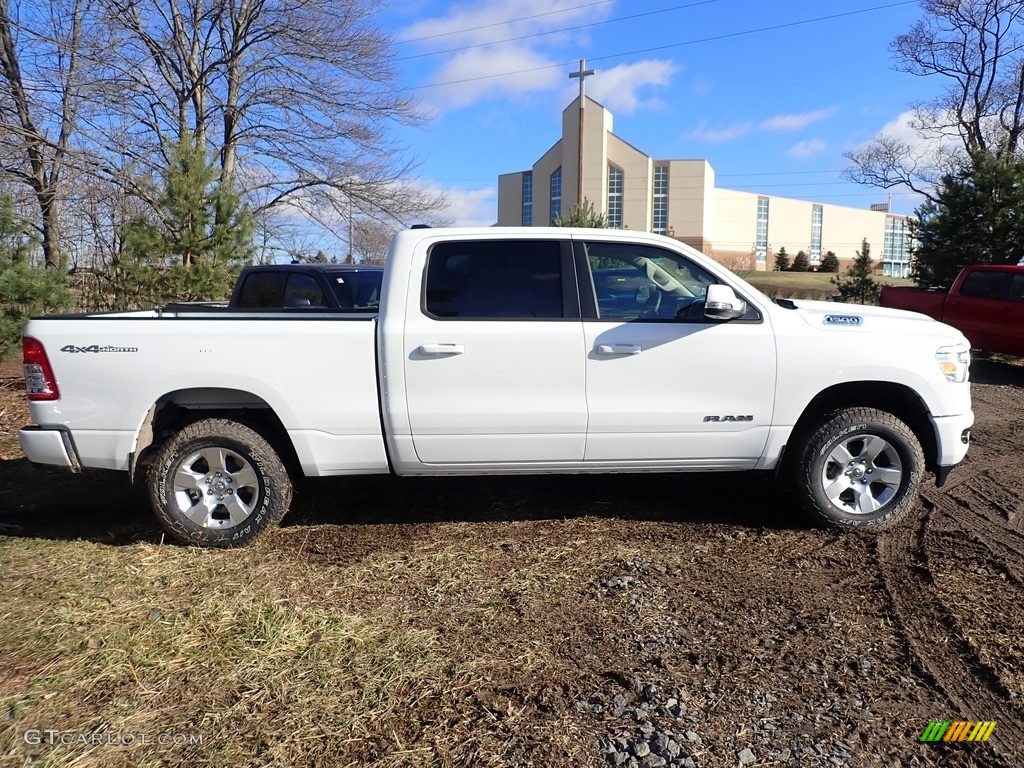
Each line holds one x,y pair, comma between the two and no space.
927,301
316,372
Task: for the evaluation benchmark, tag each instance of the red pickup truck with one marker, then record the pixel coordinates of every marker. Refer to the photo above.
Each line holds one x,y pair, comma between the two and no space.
985,303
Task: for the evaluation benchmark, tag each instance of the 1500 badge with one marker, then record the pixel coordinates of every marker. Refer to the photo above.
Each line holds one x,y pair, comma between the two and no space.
97,348
728,418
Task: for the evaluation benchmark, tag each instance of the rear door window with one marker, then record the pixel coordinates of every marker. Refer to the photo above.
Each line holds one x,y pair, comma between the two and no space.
497,280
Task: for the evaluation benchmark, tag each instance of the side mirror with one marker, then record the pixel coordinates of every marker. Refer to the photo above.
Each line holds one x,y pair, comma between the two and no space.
297,303
722,303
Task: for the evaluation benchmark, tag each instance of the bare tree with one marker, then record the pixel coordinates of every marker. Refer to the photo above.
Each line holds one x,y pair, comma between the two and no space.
40,74
976,48
371,239
293,98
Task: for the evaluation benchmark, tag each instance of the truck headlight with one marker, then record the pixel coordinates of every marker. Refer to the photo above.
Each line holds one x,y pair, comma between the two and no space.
954,362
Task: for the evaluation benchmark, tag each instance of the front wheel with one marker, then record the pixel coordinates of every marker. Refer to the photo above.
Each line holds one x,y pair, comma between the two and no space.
861,469
218,483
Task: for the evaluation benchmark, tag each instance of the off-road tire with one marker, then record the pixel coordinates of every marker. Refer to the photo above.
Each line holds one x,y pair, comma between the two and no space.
845,493
244,460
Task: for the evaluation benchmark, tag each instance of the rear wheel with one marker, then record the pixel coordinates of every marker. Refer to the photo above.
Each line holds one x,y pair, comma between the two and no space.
861,469
218,483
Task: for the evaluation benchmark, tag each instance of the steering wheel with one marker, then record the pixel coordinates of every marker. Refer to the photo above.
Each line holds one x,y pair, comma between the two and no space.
653,303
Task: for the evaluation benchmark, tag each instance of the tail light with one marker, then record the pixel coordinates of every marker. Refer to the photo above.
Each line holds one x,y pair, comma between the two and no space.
39,379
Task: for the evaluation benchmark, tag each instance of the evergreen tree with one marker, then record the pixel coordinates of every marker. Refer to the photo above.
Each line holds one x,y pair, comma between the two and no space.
977,218
25,289
583,215
858,286
800,262
829,262
193,253
781,260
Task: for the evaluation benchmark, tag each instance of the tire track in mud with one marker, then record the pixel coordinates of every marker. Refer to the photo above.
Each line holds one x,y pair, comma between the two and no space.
935,641
1003,544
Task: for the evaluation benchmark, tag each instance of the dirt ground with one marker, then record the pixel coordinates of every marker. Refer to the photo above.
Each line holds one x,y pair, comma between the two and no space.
704,608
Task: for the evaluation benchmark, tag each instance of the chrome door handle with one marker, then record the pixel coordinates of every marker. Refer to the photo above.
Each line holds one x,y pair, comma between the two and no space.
619,349
435,350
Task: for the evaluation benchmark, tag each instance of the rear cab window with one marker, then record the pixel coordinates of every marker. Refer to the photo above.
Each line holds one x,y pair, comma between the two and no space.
356,289
985,284
281,290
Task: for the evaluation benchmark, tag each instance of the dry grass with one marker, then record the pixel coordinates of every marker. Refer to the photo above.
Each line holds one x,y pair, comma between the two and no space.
806,285
412,657
157,639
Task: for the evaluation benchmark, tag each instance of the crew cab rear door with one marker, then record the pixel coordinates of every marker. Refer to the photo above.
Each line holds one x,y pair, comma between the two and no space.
495,358
664,383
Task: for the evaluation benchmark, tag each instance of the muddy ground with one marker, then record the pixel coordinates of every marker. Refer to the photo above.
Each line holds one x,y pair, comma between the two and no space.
704,608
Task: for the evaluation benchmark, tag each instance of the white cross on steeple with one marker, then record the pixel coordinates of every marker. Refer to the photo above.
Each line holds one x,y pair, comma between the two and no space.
582,73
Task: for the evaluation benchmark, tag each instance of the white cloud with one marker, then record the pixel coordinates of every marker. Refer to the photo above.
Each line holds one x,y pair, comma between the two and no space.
781,122
720,135
924,149
462,77
807,148
471,207
493,20
794,122
618,88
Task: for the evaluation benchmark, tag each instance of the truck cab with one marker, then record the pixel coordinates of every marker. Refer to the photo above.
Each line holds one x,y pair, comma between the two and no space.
348,287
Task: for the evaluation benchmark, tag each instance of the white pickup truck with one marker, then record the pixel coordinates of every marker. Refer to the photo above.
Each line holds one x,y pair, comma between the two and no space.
518,350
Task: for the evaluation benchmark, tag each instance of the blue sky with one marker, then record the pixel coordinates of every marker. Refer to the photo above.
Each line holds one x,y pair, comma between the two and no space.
770,93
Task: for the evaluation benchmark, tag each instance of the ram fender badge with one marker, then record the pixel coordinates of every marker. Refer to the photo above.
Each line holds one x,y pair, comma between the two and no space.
843,320
728,418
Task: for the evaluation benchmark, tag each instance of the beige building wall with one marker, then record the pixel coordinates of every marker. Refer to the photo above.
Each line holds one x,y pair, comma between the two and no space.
691,202
510,199
789,226
734,229
597,139
843,230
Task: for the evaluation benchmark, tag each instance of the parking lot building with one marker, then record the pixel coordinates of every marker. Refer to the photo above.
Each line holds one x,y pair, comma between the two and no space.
679,198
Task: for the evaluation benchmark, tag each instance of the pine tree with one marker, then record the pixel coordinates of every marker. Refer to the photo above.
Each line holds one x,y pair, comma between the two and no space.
583,215
976,219
194,251
25,289
781,260
800,262
829,262
858,286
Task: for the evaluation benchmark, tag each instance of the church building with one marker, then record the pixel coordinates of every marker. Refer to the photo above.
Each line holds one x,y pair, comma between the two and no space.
679,198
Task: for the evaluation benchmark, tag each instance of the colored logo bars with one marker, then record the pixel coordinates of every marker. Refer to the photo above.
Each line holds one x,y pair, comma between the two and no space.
958,730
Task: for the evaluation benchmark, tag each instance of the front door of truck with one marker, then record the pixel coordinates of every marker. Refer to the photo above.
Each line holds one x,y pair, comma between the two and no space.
664,383
495,361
